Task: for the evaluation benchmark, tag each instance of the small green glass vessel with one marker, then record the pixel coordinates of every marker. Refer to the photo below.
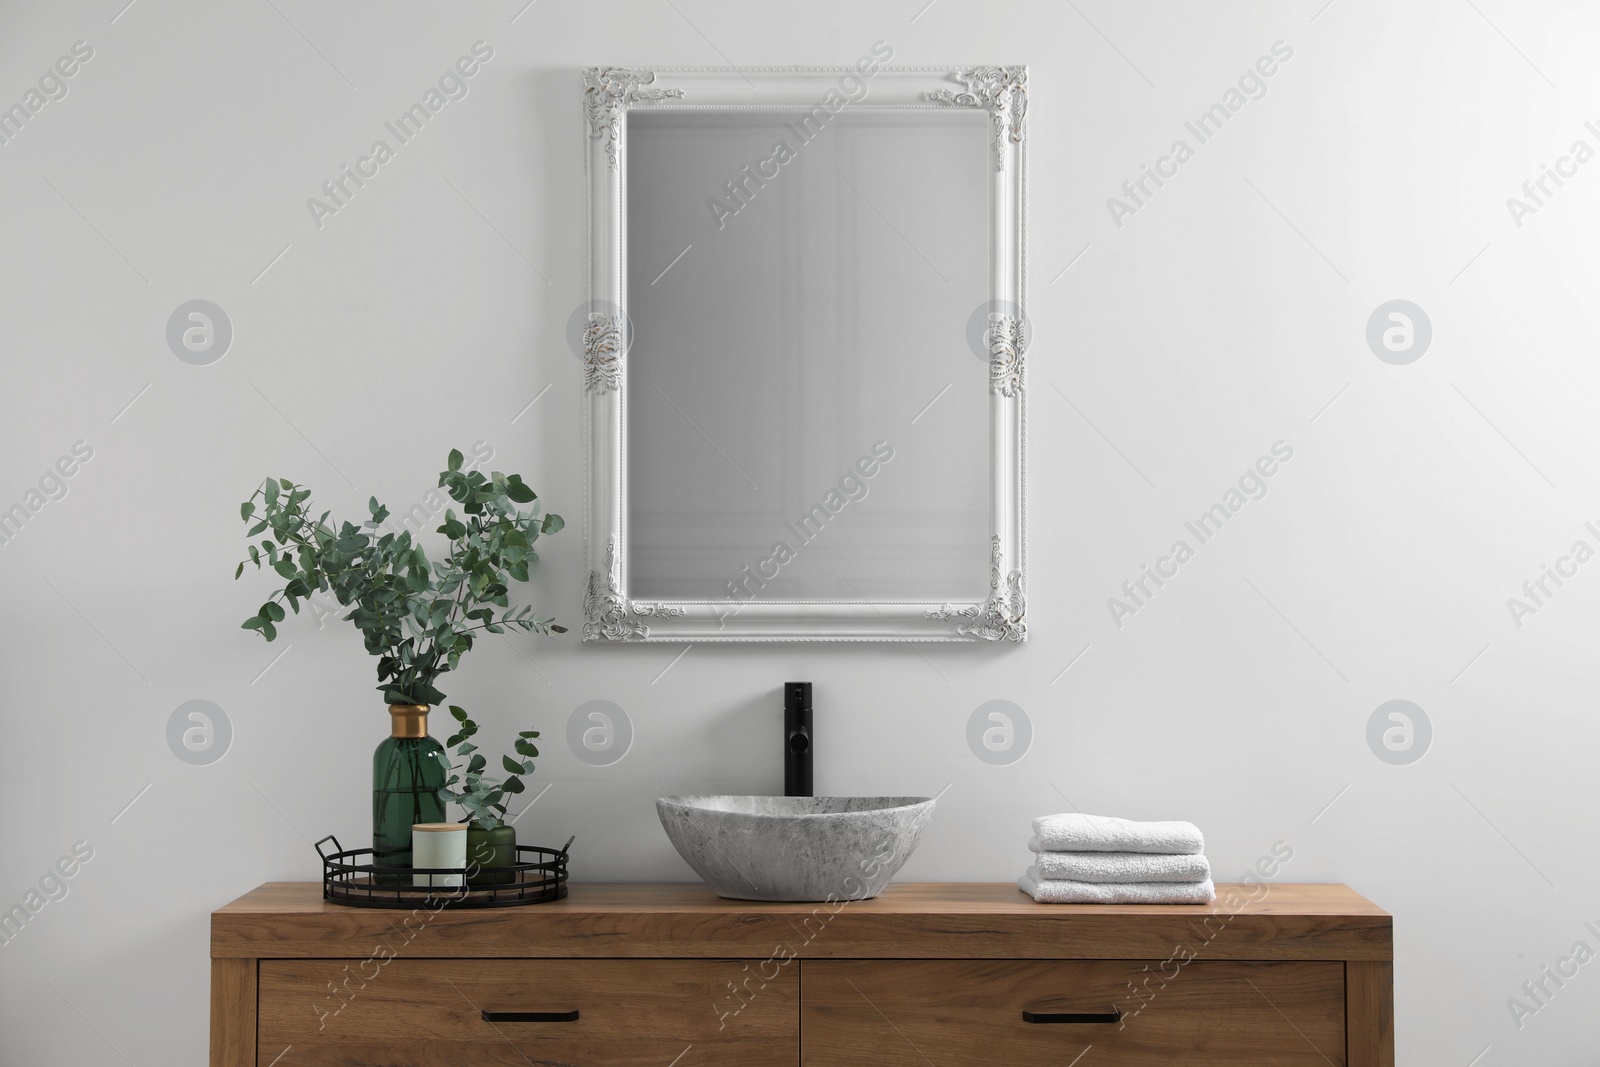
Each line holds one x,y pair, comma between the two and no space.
488,849
406,777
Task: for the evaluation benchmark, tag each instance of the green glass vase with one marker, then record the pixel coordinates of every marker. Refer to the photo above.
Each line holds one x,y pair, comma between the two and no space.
406,777
488,849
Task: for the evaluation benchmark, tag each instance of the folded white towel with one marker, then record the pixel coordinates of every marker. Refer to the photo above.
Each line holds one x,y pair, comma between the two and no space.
1120,866
1060,891
1076,832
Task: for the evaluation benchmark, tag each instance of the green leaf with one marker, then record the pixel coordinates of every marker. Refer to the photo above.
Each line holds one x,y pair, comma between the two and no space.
525,747
254,622
454,462
511,765
477,763
458,713
238,571
416,617
552,523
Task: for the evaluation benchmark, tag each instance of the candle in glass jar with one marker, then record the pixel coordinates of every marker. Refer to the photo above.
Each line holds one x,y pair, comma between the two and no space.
435,845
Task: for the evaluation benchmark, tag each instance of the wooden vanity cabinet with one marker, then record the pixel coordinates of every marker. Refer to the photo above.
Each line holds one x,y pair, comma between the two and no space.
927,975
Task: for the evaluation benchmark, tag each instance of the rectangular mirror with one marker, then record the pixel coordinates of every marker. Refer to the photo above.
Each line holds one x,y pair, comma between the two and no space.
804,351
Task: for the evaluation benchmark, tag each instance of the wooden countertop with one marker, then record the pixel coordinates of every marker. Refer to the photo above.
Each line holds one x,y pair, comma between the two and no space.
926,920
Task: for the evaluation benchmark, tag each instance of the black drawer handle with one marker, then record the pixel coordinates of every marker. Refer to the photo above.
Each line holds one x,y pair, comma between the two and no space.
1112,1016
531,1016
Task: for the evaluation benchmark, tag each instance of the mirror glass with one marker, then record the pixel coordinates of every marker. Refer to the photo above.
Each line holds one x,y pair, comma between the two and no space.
807,414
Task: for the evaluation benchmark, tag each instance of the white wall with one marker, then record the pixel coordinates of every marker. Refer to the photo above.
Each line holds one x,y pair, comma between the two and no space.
1222,317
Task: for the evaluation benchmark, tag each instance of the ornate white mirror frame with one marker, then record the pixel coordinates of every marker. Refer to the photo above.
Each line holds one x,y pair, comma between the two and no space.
611,615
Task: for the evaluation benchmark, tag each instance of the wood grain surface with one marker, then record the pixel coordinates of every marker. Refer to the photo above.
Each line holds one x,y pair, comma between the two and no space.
1369,1002
429,1013
976,920
917,1013
233,1013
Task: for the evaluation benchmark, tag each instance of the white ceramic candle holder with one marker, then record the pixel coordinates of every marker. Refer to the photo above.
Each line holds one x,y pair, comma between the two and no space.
438,844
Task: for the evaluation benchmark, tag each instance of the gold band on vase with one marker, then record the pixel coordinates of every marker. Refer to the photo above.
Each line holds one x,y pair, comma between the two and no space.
408,720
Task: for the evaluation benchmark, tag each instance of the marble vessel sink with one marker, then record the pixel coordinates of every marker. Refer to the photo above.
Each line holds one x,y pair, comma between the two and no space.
795,848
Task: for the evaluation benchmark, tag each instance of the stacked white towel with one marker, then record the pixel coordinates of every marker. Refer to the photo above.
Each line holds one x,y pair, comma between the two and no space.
1097,859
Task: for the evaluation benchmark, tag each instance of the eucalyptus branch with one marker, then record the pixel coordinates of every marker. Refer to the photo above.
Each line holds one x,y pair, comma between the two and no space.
484,797
396,594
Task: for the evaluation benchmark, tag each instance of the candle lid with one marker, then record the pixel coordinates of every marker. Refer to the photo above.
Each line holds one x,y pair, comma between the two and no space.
438,827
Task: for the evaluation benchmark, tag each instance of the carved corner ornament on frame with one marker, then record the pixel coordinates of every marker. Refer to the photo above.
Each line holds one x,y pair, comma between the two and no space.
1002,617
608,92
611,616
1001,91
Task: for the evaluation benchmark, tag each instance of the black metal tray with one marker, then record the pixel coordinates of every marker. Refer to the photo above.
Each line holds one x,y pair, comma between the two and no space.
350,877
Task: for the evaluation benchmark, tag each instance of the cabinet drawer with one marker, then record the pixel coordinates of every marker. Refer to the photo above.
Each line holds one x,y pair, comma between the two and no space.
429,1013
913,1013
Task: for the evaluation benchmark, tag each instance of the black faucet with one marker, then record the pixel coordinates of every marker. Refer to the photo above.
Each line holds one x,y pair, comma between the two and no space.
797,739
